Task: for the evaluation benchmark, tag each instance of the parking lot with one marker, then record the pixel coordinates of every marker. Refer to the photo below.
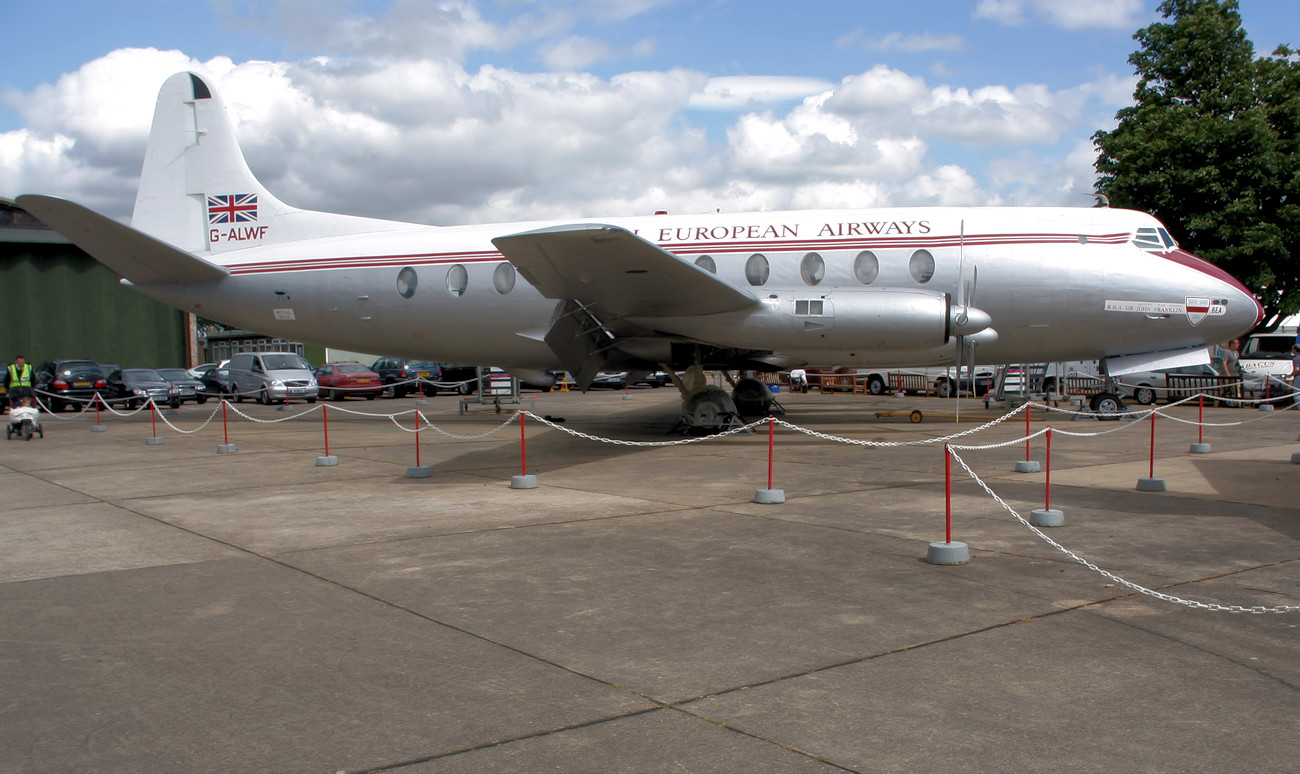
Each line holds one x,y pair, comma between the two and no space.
169,608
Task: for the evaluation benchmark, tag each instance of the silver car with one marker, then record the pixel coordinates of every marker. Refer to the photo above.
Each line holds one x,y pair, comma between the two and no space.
272,377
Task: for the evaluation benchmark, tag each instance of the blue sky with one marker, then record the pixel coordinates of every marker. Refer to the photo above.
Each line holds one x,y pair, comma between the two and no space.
477,110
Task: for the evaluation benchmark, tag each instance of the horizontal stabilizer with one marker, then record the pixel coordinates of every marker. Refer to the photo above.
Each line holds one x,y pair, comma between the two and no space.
132,254
617,273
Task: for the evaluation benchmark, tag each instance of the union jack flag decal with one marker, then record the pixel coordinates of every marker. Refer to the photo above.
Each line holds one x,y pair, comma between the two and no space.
232,208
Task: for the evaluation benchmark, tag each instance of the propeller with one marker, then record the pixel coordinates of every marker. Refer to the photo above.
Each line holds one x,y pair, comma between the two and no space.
970,325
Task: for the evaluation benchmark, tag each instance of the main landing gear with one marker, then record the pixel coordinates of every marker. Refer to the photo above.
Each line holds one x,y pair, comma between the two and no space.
708,408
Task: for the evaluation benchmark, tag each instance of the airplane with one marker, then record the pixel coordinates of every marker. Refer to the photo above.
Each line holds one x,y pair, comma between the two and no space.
746,292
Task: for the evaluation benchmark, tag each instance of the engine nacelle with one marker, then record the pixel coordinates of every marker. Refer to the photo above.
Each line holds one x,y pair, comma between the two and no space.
870,319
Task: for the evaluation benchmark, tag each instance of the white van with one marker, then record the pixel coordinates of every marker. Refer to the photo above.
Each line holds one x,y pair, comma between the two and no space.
1265,360
272,377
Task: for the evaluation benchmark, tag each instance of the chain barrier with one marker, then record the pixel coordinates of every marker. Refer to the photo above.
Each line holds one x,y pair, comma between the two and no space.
1136,418
1257,609
679,442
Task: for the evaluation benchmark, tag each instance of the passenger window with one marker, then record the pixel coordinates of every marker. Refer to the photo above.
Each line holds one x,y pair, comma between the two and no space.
503,278
921,266
813,269
706,262
457,280
866,267
757,269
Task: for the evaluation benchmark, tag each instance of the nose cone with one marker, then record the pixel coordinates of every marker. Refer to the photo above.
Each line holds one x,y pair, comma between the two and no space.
1242,310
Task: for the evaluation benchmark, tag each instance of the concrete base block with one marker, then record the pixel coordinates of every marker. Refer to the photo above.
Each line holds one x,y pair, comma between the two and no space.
154,440
98,428
1200,448
327,461
1266,407
627,397
523,482
769,496
1295,458
226,448
419,471
900,395
1027,466
948,553
1046,517
1151,485
421,402
285,407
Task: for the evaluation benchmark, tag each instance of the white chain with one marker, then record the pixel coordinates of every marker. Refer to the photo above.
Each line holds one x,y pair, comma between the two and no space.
679,442
1112,576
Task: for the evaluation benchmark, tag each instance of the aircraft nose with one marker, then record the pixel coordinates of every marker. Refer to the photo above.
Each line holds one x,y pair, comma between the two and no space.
1243,311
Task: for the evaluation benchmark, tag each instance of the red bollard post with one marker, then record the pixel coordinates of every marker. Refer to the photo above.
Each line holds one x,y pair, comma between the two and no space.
523,480
329,460
1151,483
947,552
226,447
947,494
153,424
1047,516
770,496
98,427
418,470
1027,465
1200,447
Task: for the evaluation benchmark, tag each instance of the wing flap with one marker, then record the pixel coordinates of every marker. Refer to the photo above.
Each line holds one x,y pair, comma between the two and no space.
617,273
133,254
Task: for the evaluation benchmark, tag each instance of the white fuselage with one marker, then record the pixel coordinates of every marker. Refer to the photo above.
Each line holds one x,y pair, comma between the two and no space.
1057,284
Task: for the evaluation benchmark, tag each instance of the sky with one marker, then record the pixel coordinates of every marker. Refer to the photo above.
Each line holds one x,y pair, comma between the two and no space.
478,111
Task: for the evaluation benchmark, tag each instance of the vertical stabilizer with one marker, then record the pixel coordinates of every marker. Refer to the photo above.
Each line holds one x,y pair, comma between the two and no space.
196,191
195,176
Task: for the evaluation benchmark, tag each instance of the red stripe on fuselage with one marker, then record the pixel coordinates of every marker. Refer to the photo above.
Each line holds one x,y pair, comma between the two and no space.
790,245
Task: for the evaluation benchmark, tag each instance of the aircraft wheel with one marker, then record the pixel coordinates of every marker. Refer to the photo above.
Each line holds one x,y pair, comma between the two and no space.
1105,403
1144,395
752,397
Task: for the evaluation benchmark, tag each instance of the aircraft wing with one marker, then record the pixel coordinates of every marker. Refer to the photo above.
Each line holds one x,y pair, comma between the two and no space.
133,254
617,273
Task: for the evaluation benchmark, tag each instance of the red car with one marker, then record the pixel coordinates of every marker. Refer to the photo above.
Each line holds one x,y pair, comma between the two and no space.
339,380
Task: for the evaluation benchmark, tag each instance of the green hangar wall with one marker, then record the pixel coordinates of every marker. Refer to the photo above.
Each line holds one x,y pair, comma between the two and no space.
58,302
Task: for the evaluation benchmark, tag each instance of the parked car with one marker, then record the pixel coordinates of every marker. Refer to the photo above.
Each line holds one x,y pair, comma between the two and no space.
198,370
272,377
135,386
186,386
618,380
68,382
339,380
462,378
399,375
216,380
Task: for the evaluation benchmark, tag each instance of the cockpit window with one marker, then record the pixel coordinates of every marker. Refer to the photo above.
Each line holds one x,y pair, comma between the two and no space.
1148,238
1169,241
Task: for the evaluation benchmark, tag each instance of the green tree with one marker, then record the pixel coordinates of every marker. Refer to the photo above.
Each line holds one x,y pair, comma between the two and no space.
1210,147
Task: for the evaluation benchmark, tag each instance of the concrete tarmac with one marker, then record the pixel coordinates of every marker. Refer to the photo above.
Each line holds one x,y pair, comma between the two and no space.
168,608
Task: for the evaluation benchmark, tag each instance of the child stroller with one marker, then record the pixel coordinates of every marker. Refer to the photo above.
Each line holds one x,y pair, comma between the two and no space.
24,422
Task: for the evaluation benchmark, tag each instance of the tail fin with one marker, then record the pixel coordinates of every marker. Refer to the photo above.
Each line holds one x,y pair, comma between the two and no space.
196,191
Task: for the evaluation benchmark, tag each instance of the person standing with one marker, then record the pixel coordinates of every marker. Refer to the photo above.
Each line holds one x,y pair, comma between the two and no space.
18,380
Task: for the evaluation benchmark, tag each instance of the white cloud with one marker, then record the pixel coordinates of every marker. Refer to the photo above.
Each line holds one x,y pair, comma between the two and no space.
394,132
912,41
734,92
1068,14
